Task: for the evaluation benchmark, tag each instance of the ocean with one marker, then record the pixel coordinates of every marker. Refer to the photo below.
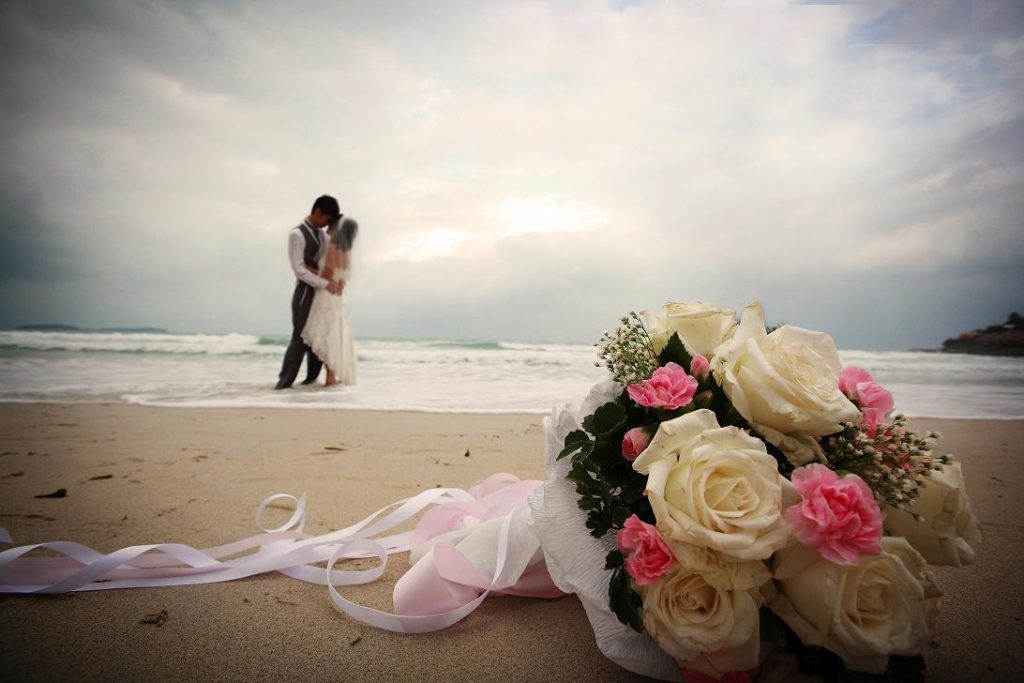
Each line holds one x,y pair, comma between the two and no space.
239,370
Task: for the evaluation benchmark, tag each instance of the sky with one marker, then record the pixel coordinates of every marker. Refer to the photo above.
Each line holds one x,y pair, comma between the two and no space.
521,171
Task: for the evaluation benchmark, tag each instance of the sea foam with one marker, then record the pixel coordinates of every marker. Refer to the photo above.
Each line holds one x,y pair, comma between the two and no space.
465,376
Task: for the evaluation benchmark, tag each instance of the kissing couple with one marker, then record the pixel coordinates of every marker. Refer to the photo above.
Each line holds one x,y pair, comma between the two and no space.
319,253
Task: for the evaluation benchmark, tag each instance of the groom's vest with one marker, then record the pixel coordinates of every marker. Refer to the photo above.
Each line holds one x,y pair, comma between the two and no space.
312,250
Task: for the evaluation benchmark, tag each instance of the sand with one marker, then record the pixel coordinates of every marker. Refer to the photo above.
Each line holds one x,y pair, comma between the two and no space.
143,475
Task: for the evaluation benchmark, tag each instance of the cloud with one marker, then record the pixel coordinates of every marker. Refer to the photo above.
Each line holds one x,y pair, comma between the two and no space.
434,243
519,170
512,217
539,215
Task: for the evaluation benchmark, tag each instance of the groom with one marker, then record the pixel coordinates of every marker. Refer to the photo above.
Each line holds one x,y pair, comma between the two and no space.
306,244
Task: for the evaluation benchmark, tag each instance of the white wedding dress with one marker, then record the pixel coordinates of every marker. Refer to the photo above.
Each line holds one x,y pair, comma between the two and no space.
329,332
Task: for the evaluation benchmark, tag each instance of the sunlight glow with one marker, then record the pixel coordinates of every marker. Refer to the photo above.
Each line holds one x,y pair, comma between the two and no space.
513,217
434,243
530,215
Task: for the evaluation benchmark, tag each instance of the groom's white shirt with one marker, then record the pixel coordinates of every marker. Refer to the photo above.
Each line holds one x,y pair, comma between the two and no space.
296,249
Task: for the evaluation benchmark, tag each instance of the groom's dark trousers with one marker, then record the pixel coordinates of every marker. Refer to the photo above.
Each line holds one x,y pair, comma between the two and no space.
302,300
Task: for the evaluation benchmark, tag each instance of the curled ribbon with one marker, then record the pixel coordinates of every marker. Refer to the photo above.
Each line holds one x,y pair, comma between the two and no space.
288,550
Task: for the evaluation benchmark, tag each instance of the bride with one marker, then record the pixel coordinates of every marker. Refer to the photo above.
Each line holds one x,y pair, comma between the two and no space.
328,330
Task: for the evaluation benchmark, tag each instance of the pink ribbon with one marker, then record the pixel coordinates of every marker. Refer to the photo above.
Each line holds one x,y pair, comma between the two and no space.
445,579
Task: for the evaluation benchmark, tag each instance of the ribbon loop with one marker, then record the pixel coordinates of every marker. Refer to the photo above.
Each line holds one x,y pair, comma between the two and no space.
297,522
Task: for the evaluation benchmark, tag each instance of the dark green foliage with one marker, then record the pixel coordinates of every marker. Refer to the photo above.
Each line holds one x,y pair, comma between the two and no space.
608,488
675,352
606,419
576,441
723,408
623,600
785,466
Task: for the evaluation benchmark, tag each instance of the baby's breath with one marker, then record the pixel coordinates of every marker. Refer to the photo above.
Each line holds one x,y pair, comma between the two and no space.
895,462
627,351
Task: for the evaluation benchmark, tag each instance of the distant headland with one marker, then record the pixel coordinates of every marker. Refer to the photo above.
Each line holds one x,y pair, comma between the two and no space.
54,327
996,340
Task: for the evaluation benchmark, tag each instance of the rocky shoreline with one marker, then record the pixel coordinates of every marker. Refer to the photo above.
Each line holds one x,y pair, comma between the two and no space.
996,340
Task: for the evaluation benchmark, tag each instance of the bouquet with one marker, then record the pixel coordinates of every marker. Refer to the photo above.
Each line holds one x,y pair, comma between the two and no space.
749,501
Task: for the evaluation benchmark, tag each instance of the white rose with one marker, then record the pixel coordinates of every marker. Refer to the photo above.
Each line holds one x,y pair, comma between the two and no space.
714,487
721,571
799,449
785,384
949,524
885,605
701,327
704,620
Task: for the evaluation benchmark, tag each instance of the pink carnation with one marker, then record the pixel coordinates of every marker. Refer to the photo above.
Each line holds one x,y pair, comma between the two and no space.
700,367
874,400
647,555
669,387
634,442
850,377
838,517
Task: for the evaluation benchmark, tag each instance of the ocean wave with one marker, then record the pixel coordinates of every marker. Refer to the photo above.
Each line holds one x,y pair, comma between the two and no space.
136,342
132,343
457,344
273,340
239,370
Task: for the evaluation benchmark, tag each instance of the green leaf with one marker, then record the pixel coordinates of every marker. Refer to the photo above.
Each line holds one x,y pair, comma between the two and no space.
730,417
675,352
605,419
606,454
620,513
576,441
614,559
666,414
623,601
631,495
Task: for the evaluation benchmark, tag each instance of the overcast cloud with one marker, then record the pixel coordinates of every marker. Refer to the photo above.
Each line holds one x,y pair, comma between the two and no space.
520,170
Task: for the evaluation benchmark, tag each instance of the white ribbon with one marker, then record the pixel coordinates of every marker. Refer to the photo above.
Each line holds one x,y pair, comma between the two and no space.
285,549
281,549
404,623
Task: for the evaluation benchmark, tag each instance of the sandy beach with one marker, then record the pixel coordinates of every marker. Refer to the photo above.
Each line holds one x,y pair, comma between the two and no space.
144,475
